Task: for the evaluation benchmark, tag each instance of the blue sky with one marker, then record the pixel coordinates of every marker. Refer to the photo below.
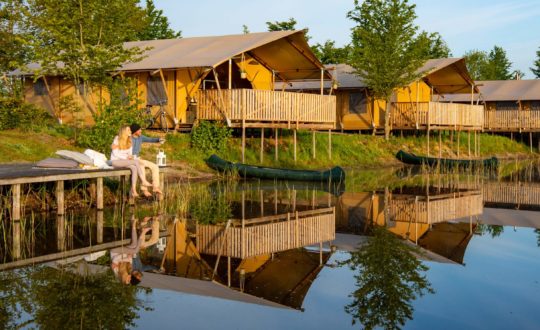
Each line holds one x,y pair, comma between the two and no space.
465,25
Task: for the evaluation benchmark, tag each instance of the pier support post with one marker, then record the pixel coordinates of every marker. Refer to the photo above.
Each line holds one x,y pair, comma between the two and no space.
99,193
16,202
276,144
330,143
60,232
60,207
294,144
469,142
16,232
99,226
530,142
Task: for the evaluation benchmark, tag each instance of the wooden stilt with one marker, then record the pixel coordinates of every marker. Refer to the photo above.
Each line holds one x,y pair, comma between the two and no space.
277,144
428,142
330,144
229,272
469,142
294,143
458,134
261,198
99,193
530,142
261,156
440,144
243,142
320,253
313,143
16,202
60,208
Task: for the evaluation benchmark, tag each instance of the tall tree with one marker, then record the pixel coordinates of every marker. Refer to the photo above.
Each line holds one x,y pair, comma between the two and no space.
83,40
282,25
536,69
14,37
157,25
476,61
328,53
387,50
498,67
437,47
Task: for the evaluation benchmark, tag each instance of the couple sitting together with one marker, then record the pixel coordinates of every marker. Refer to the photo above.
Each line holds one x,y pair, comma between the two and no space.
125,153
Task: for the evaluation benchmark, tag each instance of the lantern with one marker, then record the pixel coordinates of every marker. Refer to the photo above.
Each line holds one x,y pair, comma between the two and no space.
161,158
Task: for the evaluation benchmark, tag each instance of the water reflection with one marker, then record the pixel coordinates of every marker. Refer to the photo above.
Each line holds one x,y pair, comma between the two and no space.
269,244
389,278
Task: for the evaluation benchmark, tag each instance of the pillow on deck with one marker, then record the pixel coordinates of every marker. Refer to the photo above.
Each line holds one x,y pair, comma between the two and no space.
76,156
57,163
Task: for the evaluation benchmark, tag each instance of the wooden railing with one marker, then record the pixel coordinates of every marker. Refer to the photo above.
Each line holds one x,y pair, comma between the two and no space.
434,209
268,234
512,120
516,193
407,115
263,106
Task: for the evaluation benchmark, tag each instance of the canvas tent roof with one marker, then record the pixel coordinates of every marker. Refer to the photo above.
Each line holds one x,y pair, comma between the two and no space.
446,75
502,90
285,52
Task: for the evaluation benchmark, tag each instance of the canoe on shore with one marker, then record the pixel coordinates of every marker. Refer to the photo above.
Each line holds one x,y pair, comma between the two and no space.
335,174
412,159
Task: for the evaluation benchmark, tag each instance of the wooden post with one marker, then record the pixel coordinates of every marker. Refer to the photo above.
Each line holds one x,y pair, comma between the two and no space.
230,73
458,134
243,141
313,143
330,143
16,202
294,144
276,130
60,208
60,232
99,194
261,156
228,270
16,232
320,253
322,81
261,198
440,145
428,142
469,142
530,142
99,225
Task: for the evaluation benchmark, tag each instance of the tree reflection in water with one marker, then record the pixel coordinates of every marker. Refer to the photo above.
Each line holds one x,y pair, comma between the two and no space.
390,278
56,299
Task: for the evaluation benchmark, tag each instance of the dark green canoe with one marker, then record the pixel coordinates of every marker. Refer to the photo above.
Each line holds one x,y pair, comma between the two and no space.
413,159
335,174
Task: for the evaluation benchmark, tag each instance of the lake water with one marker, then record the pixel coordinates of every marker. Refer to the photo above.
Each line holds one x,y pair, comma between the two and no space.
387,249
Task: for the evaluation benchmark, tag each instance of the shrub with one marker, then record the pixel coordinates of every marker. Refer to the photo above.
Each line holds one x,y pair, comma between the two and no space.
210,136
14,113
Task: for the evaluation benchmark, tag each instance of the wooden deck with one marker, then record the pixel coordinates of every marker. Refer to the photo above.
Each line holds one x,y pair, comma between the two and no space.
259,236
264,108
437,208
437,115
512,120
514,195
17,174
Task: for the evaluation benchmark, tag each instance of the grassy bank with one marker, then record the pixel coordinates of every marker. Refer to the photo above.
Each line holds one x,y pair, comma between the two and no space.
348,150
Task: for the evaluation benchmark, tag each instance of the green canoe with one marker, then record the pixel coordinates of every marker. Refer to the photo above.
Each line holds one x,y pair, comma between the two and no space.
335,174
413,159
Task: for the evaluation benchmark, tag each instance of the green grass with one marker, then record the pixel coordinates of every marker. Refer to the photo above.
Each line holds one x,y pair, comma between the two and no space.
348,150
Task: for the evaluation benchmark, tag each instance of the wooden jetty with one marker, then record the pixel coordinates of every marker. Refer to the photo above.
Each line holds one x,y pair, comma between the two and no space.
15,175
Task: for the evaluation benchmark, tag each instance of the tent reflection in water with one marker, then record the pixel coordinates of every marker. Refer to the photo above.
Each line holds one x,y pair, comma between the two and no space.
280,277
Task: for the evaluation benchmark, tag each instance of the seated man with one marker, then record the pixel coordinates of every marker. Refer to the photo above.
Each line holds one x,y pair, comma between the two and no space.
137,138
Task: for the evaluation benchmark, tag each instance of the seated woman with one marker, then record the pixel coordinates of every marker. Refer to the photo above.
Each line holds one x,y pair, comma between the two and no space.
122,156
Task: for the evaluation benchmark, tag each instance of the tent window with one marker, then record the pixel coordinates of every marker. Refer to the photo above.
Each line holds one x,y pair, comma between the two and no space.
358,103
535,105
507,105
39,87
155,91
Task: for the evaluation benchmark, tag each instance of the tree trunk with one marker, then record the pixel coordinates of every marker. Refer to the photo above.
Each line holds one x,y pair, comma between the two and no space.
387,120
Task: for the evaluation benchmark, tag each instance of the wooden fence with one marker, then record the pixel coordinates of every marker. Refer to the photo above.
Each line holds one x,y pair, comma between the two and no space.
264,108
433,115
512,120
434,209
259,236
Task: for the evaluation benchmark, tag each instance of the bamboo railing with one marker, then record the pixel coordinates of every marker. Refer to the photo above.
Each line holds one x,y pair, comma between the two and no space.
434,209
512,120
261,107
259,236
411,115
